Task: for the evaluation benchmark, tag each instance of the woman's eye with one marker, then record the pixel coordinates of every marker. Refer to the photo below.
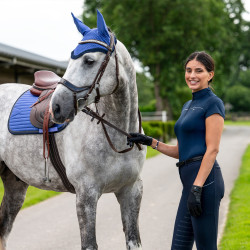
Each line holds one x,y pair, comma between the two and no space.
89,61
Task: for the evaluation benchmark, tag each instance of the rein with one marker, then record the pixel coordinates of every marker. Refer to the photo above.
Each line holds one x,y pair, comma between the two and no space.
100,119
95,85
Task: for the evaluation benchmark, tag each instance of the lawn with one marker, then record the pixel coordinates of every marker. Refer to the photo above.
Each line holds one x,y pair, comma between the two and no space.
237,123
237,230
151,152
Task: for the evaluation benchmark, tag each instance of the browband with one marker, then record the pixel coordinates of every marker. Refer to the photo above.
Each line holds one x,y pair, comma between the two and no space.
97,42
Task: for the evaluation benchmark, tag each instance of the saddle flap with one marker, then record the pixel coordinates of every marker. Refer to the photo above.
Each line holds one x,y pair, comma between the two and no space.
37,112
44,79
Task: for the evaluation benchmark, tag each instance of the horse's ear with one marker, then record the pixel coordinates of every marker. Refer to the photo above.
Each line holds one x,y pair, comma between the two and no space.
82,28
101,25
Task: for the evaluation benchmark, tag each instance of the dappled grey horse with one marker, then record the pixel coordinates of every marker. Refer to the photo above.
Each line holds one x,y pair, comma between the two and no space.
92,167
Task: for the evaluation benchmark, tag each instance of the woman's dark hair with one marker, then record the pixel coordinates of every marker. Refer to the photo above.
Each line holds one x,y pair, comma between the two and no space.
204,58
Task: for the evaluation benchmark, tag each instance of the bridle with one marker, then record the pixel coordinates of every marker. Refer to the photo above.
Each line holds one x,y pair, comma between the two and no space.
96,82
95,85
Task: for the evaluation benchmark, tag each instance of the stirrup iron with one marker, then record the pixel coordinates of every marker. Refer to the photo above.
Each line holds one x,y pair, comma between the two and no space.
46,178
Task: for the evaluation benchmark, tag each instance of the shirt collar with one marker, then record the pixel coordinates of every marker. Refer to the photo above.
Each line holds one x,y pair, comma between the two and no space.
199,94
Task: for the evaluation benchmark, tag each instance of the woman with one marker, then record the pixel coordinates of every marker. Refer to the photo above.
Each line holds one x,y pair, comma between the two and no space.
198,132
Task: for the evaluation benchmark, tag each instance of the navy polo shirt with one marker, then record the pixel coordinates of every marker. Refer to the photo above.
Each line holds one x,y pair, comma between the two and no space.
190,127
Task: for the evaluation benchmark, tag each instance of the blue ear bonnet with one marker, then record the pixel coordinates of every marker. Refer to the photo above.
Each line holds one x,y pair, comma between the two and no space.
100,33
91,47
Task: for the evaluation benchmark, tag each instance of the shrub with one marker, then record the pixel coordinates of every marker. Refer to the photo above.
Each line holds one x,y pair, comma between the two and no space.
238,96
163,131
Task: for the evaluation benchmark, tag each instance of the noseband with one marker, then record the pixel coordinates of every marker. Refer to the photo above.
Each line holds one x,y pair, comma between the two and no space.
96,82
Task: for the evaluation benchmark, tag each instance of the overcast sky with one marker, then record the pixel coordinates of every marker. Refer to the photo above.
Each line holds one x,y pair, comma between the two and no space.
44,27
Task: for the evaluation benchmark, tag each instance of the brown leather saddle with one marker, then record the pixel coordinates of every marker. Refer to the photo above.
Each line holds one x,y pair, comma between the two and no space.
43,86
44,80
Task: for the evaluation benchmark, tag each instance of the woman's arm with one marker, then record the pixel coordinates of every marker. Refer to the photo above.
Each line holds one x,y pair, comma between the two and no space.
214,129
166,149
169,150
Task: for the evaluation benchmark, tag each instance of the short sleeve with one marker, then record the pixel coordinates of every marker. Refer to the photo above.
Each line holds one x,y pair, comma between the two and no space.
216,106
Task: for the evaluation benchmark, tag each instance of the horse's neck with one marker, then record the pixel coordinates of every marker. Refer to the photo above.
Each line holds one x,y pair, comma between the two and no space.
121,108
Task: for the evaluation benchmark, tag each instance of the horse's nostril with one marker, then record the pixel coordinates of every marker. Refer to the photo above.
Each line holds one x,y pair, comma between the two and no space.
57,111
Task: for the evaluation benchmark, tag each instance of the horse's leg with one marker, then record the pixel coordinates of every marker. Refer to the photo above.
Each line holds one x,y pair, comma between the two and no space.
130,200
14,195
86,204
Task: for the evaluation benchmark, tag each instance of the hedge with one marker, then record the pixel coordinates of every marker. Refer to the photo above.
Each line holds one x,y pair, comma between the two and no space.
163,131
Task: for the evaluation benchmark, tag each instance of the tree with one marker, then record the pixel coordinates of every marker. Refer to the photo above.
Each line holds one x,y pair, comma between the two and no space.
145,92
244,78
240,52
162,33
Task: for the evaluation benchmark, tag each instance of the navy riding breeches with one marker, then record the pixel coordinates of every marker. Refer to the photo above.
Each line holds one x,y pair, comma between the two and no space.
203,229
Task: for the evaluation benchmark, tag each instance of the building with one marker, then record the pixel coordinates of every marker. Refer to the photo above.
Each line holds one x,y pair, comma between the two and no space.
18,66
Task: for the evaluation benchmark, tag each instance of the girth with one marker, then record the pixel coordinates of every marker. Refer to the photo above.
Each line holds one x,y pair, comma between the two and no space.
49,142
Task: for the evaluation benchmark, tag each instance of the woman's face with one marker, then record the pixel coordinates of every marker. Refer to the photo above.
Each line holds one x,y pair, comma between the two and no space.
197,76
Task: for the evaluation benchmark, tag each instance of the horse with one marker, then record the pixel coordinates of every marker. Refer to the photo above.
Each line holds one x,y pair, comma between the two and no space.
92,167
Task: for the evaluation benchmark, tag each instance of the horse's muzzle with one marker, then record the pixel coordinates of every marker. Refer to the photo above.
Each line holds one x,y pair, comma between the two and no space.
59,115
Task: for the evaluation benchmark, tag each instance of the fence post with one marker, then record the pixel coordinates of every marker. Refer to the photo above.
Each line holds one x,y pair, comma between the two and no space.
164,116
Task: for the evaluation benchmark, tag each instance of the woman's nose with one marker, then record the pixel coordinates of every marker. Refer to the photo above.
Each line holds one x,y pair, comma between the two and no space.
192,74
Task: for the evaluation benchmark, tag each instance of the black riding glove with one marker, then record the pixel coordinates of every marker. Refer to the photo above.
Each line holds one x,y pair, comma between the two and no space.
139,138
194,201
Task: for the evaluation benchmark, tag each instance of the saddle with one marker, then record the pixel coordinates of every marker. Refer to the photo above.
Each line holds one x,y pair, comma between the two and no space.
44,80
44,85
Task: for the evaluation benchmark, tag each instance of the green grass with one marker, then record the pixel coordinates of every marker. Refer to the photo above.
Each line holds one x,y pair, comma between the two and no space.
33,196
238,123
151,152
237,231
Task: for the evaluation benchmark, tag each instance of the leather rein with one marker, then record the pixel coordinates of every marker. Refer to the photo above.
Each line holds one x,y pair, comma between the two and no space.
95,85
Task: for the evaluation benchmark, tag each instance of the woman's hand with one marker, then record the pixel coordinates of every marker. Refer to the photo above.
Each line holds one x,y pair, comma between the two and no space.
139,138
194,201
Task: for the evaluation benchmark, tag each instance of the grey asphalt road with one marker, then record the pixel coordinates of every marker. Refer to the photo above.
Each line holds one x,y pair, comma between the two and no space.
52,224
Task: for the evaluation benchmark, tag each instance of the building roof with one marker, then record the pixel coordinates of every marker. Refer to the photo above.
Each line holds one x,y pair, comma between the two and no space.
24,58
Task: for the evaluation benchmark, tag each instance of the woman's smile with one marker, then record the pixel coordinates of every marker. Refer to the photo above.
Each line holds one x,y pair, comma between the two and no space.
192,82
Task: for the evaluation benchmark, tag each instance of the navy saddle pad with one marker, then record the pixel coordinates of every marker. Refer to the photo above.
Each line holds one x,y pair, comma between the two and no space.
19,120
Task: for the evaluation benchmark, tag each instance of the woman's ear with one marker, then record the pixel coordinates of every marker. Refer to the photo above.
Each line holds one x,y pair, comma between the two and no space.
211,75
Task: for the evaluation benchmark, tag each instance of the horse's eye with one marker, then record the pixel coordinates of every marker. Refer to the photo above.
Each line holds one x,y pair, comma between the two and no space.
89,61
